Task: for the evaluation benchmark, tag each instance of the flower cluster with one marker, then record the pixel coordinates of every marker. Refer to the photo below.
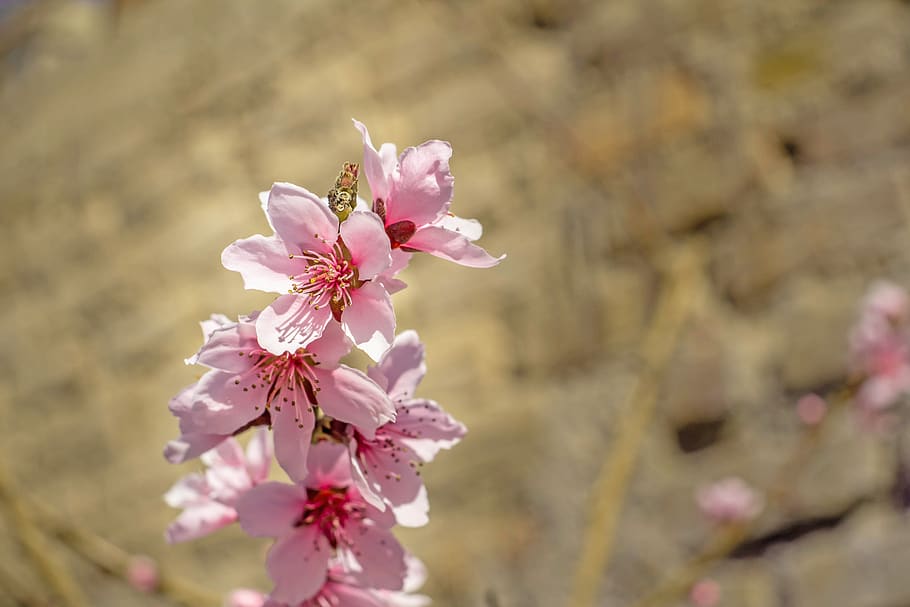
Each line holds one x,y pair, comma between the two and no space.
351,442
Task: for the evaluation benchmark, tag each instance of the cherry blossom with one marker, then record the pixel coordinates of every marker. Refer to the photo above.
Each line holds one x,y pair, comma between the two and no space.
313,522
387,467
249,385
325,270
412,195
880,348
208,499
729,501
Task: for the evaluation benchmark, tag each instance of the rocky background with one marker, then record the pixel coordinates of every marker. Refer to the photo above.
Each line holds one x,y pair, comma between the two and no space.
767,143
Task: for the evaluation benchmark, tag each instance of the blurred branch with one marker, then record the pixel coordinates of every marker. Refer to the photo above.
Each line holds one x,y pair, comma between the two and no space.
683,285
36,548
16,589
114,560
727,539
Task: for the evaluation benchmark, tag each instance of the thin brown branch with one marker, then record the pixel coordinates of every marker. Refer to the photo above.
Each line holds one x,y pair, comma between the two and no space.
34,544
683,285
115,561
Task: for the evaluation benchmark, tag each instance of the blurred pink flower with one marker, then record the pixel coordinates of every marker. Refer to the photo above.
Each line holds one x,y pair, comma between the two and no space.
244,597
811,409
387,467
142,574
247,383
325,269
729,500
208,499
324,517
880,347
412,194
705,593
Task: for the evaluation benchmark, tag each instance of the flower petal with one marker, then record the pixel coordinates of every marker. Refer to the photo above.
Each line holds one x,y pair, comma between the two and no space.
298,564
328,466
259,455
293,429
225,348
330,347
188,491
290,322
360,479
370,320
451,246
377,176
222,406
416,512
349,395
426,428
469,228
301,219
191,445
270,509
380,556
200,520
365,237
262,262
402,366
423,189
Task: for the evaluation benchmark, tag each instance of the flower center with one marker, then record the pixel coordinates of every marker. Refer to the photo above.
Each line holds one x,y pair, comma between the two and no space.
288,380
330,508
327,279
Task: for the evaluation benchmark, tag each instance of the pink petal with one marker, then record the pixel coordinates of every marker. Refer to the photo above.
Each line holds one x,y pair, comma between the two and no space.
214,322
270,509
244,597
426,428
365,237
292,442
415,513
301,219
328,466
227,454
225,347
197,521
451,246
259,455
376,174
191,445
402,366
298,563
393,474
380,556
349,395
469,228
331,347
361,482
370,320
221,406
423,190
290,322
352,596
188,491
262,262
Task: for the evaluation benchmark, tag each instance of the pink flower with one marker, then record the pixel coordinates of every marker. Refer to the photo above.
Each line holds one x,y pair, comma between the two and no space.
208,499
811,409
327,272
880,347
142,574
412,195
729,501
248,384
343,590
386,467
312,522
244,597
705,593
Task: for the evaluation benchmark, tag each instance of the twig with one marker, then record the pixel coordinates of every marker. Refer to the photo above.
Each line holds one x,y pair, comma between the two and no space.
726,539
16,589
35,547
675,304
114,560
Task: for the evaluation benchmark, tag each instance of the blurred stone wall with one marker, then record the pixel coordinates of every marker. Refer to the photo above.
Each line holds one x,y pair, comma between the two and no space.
591,138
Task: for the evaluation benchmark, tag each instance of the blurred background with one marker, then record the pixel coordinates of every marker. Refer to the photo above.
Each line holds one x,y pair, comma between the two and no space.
764,144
